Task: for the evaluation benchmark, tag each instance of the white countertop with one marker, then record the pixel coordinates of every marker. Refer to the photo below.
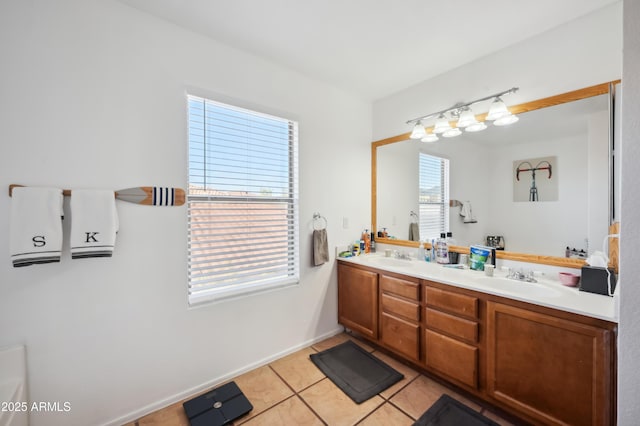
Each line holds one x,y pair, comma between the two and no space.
546,292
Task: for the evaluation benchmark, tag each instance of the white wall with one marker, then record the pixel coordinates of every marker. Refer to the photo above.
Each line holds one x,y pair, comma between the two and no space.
93,95
629,338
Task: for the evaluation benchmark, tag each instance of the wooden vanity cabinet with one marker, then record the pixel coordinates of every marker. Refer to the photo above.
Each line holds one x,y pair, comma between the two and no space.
546,366
400,315
555,370
451,335
358,300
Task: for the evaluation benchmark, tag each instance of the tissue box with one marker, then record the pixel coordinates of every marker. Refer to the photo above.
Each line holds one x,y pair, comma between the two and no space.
595,280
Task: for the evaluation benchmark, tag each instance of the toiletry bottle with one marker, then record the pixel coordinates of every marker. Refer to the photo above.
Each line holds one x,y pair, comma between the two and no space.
421,253
442,250
450,240
373,243
432,252
367,241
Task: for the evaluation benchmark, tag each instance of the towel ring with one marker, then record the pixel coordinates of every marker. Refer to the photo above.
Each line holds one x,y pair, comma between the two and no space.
414,217
319,222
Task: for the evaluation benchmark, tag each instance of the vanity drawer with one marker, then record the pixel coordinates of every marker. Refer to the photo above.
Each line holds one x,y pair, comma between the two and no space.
452,325
451,357
401,307
401,336
454,303
400,287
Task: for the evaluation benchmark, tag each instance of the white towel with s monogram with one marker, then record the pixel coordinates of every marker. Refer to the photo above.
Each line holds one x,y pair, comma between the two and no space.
36,225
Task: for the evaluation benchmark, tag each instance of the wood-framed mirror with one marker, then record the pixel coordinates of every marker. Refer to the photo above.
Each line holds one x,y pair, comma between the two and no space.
583,162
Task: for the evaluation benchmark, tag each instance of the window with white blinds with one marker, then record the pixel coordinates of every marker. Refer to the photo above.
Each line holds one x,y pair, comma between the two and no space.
434,196
242,201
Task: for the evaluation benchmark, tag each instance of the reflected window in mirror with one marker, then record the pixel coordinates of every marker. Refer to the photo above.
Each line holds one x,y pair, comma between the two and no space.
433,201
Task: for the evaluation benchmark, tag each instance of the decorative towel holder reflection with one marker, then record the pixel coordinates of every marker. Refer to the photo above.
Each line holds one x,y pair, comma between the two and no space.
413,217
145,195
455,203
319,222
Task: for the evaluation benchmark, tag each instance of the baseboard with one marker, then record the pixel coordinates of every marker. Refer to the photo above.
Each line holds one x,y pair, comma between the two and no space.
216,381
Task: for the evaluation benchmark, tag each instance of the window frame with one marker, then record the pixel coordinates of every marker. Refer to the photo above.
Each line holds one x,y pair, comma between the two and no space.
214,293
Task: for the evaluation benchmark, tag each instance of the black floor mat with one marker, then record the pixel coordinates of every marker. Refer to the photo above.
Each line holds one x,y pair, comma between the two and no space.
450,412
354,370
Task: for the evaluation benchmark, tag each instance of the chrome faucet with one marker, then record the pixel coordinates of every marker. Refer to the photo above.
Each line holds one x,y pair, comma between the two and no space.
401,255
521,275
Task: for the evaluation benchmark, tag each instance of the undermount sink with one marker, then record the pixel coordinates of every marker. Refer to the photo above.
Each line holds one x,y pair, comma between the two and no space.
523,288
388,261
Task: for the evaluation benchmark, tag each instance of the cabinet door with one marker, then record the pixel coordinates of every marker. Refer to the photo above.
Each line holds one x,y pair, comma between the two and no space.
358,300
451,357
555,370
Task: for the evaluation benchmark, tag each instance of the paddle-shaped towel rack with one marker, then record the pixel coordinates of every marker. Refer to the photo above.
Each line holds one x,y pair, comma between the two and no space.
146,195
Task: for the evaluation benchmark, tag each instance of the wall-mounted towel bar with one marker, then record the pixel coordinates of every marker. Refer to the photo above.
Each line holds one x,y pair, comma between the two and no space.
146,195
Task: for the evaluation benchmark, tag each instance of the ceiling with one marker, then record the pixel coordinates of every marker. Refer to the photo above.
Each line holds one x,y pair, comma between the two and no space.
369,48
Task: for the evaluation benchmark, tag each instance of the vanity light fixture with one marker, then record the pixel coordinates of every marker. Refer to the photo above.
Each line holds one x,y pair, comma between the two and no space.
464,117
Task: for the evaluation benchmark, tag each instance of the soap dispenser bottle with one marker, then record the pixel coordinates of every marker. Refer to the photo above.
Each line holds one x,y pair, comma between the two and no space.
373,242
367,241
421,252
442,249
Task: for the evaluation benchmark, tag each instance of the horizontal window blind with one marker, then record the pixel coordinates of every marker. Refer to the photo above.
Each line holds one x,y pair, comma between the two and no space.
242,201
434,196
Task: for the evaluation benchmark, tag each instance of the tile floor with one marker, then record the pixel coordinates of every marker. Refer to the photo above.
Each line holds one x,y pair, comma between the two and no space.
292,391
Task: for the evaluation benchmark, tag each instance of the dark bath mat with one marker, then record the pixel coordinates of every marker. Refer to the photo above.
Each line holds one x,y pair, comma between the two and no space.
451,412
354,370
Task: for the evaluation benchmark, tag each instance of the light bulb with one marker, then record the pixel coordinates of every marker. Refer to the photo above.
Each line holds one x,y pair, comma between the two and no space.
452,132
476,127
497,110
431,137
506,120
442,125
467,118
418,131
